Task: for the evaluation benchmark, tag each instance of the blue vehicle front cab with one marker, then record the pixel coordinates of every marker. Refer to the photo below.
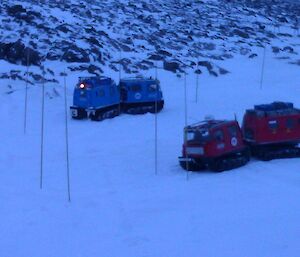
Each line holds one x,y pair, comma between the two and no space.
95,97
141,95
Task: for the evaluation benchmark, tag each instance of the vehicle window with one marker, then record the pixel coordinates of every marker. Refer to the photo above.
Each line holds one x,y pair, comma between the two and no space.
152,88
273,124
112,91
190,136
101,93
135,88
219,135
197,135
233,131
290,123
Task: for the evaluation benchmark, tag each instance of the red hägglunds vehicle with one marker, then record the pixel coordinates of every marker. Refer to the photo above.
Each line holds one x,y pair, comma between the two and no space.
214,144
269,131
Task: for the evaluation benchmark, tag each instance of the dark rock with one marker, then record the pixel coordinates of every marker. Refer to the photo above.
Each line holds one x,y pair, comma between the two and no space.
206,64
284,35
113,67
90,30
37,77
141,66
297,62
155,57
208,46
227,56
171,66
4,76
97,55
244,51
50,71
75,54
19,12
192,63
164,53
223,71
275,49
127,41
240,33
213,73
125,48
282,19
17,53
93,41
125,64
63,27
102,33
198,71
53,56
31,57
93,69
15,10
252,56
288,49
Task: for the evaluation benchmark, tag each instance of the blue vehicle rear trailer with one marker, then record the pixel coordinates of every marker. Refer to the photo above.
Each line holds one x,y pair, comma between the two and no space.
97,98
141,95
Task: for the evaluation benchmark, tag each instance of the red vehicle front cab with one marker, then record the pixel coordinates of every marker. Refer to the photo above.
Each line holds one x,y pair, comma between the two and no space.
216,144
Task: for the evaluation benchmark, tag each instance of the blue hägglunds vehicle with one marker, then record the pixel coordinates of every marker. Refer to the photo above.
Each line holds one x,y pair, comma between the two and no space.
95,97
141,95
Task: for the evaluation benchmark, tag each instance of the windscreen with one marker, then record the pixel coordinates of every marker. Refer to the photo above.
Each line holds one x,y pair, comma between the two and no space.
197,136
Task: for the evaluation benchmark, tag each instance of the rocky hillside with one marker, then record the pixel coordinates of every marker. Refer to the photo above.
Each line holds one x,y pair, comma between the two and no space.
179,34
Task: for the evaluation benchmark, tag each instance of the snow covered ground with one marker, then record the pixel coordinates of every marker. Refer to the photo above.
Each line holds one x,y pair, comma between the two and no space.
119,206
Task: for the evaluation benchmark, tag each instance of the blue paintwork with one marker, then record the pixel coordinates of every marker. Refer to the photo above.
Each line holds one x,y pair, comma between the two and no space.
139,90
98,92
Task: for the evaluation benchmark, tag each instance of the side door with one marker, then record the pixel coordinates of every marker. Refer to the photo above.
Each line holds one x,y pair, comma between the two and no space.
219,143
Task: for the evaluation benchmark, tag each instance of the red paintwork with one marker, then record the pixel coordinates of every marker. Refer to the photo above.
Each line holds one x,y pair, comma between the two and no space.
212,147
264,134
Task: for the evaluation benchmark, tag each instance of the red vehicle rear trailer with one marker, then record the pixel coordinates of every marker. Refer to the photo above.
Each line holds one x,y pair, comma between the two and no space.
272,130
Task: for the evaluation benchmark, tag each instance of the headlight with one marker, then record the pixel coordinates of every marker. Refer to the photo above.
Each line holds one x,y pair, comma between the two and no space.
82,86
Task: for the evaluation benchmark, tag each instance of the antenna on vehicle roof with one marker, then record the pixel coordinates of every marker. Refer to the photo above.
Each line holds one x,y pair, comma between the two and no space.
235,118
67,137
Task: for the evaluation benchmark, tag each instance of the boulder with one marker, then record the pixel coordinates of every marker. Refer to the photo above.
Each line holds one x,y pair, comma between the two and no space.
171,66
155,57
17,53
206,64
240,33
75,54
251,56
223,71
15,10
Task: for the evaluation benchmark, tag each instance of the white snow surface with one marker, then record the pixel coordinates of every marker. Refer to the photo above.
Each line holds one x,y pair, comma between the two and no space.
119,206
